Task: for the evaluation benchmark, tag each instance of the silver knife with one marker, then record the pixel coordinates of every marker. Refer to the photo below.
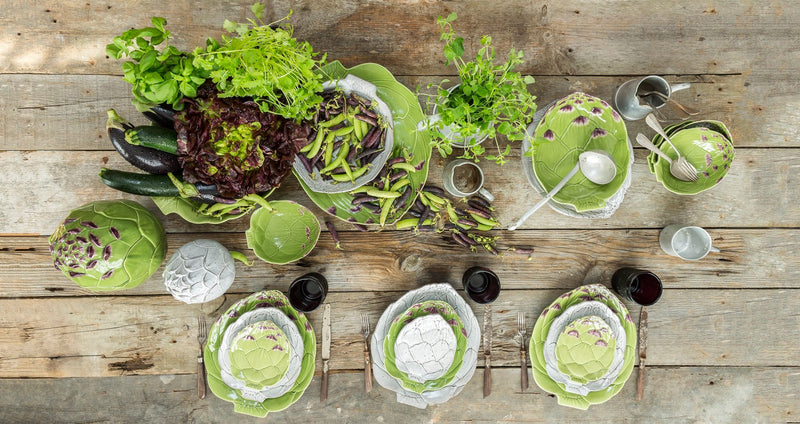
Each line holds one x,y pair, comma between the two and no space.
642,353
487,350
326,350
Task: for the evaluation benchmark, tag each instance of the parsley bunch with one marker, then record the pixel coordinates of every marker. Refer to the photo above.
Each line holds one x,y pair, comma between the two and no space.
491,99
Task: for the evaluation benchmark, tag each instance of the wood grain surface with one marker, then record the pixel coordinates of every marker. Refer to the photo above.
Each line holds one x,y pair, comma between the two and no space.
722,341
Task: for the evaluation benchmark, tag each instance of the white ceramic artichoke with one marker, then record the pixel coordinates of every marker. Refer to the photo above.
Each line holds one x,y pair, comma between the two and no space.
200,271
425,348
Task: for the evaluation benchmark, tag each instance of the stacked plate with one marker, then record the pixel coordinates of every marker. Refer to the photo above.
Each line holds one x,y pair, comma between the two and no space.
260,354
425,346
706,144
561,131
583,347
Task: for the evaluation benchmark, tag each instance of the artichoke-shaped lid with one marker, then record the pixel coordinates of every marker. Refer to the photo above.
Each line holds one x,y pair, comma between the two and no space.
425,348
573,125
259,354
109,245
199,271
706,145
585,349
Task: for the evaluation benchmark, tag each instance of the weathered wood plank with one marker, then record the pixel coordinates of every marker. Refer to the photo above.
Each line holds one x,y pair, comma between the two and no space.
576,37
761,190
67,112
688,394
750,259
110,336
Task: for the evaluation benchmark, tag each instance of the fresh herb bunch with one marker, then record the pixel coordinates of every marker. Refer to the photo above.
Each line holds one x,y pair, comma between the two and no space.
491,98
156,76
265,62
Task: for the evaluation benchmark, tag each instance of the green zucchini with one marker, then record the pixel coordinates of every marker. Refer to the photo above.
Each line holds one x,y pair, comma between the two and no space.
141,184
154,137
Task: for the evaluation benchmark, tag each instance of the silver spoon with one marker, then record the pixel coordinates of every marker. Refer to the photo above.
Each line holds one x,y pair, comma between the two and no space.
672,102
596,165
680,168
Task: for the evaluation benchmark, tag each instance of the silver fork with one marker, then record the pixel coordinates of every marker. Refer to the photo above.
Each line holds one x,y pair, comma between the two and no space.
523,354
202,335
367,363
680,168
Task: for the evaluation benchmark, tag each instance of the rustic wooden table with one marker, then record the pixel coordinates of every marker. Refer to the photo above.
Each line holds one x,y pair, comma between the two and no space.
723,341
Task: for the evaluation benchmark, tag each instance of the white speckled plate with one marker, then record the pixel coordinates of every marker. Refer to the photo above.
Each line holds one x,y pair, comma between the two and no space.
295,354
444,292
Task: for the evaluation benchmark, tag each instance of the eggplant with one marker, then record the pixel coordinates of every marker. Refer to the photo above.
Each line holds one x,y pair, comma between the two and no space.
149,160
161,115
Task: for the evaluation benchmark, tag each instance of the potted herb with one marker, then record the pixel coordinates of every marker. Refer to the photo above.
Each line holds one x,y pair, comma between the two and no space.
489,100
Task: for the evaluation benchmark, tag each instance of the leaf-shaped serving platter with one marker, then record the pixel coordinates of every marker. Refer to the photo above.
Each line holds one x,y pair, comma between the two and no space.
262,299
416,311
406,113
443,292
552,160
594,292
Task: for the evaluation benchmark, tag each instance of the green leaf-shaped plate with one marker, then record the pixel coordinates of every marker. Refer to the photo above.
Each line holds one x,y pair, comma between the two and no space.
707,145
587,293
406,113
575,124
284,234
421,309
262,299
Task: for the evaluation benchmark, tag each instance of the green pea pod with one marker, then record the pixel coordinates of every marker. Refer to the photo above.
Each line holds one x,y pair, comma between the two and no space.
338,119
316,145
400,184
343,131
372,191
385,211
405,167
481,220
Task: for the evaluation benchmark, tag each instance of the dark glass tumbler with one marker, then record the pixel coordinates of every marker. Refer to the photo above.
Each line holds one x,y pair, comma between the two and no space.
307,292
638,285
481,284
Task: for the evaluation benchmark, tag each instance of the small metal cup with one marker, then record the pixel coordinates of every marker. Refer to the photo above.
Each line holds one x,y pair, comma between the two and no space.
630,105
638,285
686,242
307,292
462,178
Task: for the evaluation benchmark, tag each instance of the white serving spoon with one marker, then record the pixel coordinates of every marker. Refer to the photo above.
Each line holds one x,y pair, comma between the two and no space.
596,165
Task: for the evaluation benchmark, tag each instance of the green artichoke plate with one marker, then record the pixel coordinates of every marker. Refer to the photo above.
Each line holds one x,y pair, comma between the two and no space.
707,145
418,310
259,355
262,299
596,292
406,113
573,125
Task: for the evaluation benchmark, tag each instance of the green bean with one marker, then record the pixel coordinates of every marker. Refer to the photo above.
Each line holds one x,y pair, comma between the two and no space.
343,131
315,146
404,166
490,222
400,184
385,211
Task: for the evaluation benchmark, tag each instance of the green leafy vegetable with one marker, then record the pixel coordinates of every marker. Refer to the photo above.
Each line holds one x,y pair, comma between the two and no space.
156,76
491,99
265,62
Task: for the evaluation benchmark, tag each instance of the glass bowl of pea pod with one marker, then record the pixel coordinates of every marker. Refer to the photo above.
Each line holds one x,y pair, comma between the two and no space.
352,138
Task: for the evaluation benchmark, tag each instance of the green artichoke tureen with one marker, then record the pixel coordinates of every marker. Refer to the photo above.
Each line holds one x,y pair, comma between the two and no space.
573,125
109,245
